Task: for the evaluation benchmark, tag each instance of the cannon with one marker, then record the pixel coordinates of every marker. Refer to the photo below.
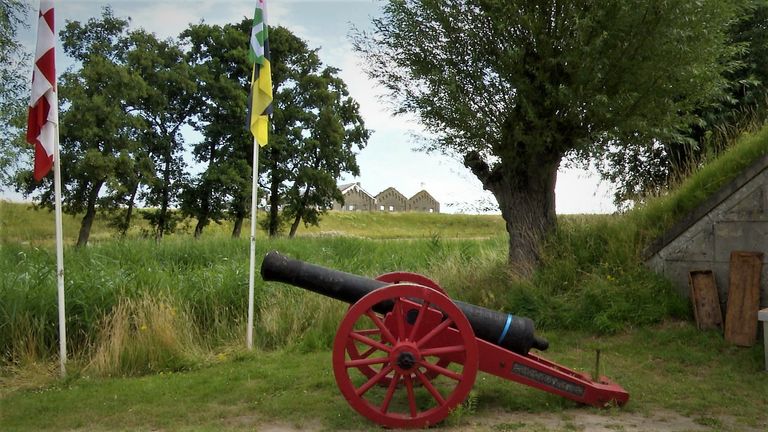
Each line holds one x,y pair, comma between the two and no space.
405,354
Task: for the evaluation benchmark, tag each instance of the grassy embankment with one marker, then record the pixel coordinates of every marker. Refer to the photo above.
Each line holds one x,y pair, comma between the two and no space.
137,307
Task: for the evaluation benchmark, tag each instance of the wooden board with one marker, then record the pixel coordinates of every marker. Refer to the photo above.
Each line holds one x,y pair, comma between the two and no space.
743,298
706,303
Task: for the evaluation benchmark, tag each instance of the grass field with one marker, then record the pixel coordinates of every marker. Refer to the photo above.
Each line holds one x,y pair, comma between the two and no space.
156,330
667,368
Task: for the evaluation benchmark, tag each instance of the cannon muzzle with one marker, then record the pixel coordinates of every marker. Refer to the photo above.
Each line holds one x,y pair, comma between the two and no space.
505,330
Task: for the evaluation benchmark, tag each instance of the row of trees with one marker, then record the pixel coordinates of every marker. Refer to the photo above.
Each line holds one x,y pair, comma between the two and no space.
128,99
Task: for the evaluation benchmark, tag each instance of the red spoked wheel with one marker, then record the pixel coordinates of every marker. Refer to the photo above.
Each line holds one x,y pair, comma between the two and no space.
413,278
421,331
375,333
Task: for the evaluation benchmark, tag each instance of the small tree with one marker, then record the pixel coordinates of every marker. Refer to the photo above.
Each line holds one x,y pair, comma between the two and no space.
329,150
169,102
223,190
97,130
316,130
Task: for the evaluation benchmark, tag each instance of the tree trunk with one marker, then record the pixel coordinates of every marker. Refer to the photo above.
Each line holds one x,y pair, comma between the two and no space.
129,211
274,208
294,226
238,228
526,199
300,212
201,223
162,220
90,215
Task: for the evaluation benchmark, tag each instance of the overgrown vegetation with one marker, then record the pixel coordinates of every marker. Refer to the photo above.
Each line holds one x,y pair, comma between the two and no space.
591,278
144,306
661,212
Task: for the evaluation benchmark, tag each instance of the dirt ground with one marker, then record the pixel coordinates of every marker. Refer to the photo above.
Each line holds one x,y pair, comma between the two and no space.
565,421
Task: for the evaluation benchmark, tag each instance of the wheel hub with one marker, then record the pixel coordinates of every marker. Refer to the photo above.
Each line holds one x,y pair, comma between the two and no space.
405,360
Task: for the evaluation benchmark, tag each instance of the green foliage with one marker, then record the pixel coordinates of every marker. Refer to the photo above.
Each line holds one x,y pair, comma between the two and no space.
642,171
123,105
591,279
317,130
170,101
547,80
660,213
13,83
223,190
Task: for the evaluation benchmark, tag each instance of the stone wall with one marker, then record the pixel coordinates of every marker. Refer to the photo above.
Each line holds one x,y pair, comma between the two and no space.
734,219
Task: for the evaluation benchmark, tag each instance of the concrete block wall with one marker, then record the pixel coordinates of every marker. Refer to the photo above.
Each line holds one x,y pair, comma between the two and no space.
734,219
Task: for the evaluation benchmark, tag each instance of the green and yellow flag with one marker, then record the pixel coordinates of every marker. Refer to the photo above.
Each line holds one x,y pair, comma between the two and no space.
260,98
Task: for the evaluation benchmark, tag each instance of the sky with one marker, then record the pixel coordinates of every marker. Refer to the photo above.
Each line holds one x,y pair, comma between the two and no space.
390,158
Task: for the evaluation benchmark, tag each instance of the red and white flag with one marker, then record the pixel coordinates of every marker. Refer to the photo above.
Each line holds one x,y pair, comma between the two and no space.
43,124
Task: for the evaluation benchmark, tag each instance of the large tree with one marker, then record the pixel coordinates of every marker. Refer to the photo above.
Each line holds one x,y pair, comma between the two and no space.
97,130
219,55
168,103
514,86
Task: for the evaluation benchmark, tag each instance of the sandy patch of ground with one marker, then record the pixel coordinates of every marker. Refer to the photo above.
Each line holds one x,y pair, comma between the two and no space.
565,421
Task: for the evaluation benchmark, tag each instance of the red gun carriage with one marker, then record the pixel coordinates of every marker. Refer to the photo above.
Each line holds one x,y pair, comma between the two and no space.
405,355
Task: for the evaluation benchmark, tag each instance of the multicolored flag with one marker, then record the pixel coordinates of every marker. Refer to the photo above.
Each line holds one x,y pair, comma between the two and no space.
43,122
260,98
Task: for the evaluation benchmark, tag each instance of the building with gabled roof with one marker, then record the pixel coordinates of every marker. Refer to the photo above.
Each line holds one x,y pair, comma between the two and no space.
422,201
391,200
355,198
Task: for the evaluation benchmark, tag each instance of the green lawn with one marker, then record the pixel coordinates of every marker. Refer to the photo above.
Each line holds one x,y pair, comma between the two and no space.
668,367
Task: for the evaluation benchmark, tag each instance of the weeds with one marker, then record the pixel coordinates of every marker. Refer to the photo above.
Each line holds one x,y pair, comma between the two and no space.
143,335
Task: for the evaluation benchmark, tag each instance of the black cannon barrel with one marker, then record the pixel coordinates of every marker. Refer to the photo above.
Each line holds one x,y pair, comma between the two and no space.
505,330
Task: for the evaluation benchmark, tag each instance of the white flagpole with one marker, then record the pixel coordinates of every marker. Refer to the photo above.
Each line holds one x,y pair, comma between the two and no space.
59,256
251,281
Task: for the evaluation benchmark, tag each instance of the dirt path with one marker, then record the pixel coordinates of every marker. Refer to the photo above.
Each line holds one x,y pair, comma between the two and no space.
565,421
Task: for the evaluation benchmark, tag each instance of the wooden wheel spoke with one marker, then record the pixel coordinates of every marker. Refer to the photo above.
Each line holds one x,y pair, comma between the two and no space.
384,330
411,396
368,332
360,391
370,342
443,350
400,317
419,319
422,322
365,362
390,392
440,327
441,370
368,352
430,388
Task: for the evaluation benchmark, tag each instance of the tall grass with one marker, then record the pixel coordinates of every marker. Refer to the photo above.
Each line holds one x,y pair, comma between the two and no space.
137,306
143,335
661,212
